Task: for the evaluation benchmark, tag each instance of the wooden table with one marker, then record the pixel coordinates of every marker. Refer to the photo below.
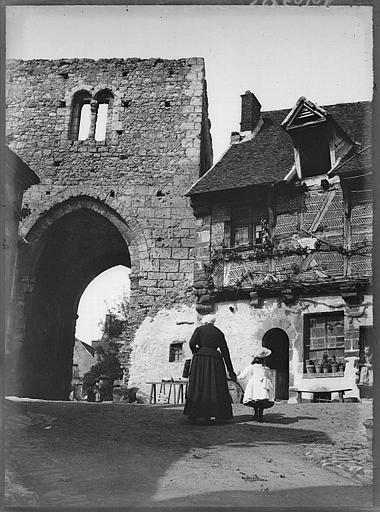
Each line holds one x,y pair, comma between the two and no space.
318,391
178,395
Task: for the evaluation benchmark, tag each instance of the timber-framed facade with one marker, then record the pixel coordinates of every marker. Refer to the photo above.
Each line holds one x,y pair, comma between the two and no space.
284,241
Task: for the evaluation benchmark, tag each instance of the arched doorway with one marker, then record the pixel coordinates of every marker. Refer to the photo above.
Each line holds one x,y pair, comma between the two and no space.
278,342
69,253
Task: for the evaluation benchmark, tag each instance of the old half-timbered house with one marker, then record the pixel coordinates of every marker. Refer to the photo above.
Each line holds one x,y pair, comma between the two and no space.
284,236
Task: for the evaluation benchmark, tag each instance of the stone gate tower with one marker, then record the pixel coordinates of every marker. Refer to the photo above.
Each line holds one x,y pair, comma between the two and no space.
116,144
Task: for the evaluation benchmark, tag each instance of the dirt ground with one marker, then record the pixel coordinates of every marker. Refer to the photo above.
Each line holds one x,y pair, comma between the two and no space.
129,455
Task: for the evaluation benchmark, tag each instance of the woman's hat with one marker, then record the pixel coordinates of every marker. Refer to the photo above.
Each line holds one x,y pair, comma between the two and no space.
262,352
208,319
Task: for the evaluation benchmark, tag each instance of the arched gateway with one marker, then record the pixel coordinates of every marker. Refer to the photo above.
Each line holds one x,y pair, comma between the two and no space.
66,249
115,196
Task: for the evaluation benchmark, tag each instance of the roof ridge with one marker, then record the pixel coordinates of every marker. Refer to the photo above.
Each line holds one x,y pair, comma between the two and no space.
211,168
268,157
324,106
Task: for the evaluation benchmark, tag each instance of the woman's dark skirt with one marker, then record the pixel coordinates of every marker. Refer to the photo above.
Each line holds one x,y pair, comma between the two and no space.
207,393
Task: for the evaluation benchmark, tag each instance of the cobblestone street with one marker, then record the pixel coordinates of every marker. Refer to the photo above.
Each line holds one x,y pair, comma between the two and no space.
123,455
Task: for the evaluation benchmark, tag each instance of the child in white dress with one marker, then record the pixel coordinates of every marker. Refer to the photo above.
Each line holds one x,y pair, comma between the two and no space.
259,389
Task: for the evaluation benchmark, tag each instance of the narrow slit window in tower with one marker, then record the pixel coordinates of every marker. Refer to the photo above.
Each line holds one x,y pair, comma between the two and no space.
101,122
85,122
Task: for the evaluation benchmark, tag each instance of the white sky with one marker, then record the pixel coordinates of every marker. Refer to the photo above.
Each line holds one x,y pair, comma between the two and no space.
101,294
279,53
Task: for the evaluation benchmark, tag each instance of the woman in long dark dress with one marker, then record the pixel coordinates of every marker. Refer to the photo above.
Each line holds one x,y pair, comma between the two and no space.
207,395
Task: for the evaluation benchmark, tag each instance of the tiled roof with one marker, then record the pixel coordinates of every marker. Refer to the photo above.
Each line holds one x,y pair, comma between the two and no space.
355,164
88,347
355,119
269,156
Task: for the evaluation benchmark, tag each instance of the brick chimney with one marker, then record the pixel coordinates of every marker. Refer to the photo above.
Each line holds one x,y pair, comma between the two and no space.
250,112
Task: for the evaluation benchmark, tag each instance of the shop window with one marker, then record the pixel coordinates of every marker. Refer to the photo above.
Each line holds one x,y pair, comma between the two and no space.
247,227
324,337
175,352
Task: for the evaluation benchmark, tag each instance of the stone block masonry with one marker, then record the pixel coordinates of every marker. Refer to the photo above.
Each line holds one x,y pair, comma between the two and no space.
157,143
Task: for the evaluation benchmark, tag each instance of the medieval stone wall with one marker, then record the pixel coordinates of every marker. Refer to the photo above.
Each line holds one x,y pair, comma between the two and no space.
149,159
157,144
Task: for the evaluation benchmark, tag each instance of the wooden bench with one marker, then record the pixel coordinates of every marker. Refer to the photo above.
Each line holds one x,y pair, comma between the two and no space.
316,392
178,395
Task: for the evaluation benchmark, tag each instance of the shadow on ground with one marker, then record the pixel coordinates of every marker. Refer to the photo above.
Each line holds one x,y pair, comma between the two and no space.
284,419
115,454
339,497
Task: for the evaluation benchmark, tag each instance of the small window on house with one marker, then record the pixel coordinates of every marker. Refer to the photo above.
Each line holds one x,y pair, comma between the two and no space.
175,352
75,371
259,233
324,334
240,226
246,227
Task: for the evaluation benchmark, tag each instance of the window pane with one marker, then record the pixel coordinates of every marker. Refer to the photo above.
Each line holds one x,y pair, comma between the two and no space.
259,234
101,122
241,236
85,121
326,335
175,352
335,327
335,333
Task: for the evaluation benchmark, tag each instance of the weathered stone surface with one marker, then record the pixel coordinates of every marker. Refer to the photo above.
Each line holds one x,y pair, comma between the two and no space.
150,355
104,202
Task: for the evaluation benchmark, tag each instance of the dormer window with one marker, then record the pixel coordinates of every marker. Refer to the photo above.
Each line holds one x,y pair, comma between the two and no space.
312,147
311,130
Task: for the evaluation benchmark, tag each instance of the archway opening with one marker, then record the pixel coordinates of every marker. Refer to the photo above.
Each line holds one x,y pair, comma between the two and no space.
105,293
278,342
71,253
